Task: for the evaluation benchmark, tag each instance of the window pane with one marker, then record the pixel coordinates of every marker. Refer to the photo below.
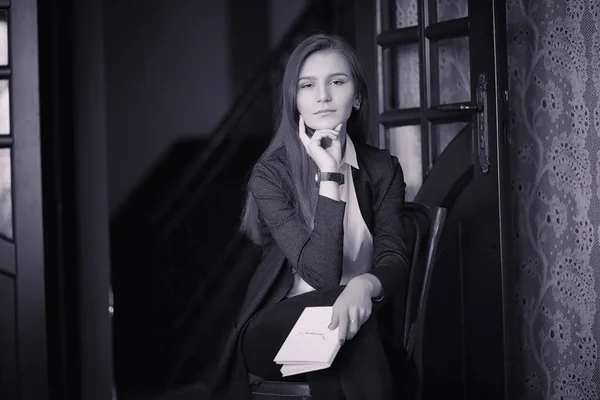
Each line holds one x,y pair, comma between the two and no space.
3,38
407,73
5,194
406,13
454,71
4,108
452,9
443,135
405,143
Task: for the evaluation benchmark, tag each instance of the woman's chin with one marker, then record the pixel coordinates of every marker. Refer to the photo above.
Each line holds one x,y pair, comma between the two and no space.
323,125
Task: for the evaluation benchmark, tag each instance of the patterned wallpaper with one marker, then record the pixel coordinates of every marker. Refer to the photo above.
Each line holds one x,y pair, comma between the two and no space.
554,69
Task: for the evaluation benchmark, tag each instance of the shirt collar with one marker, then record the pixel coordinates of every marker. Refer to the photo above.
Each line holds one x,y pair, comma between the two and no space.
350,153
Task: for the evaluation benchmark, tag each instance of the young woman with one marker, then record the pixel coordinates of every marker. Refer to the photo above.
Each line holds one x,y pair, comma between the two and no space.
325,207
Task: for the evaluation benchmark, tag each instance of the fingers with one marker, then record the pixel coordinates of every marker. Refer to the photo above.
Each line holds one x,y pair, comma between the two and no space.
334,132
301,126
349,322
354,323
325,133
302,132
317,138
343,325
318,144
364,313
334,319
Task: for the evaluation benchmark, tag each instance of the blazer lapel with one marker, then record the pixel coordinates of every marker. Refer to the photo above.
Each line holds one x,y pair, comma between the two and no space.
364,191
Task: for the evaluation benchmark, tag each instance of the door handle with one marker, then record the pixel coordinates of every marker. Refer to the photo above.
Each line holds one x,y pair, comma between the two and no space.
480,107
482,128
465,106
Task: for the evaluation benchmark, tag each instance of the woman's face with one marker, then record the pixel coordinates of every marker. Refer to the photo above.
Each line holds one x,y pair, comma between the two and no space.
326,91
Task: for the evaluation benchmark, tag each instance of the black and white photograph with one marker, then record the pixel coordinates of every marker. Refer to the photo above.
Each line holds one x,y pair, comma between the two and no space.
299,199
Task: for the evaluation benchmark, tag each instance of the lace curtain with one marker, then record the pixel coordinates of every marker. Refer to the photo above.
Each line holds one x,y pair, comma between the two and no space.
554,68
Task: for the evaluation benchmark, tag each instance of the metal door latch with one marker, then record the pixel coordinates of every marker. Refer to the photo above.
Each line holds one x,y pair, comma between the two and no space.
481,129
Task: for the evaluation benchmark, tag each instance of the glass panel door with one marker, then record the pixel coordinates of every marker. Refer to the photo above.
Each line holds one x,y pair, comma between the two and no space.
424,62
8,316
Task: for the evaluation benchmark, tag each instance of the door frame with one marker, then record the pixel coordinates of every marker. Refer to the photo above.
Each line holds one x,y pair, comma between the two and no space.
492,20
30,295
76,214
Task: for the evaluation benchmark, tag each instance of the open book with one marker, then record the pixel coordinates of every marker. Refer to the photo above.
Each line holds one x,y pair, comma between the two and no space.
310,345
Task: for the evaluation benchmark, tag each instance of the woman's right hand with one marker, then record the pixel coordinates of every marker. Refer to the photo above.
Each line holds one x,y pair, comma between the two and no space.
327,160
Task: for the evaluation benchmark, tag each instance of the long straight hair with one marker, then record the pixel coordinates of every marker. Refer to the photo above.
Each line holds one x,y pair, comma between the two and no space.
300,166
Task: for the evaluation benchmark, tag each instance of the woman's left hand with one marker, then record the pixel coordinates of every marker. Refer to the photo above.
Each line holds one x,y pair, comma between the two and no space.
352,308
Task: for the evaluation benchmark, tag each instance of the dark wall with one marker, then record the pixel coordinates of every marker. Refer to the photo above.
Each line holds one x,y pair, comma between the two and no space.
170,73
167,75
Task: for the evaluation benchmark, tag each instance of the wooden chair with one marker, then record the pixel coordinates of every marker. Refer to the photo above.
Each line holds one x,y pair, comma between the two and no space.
424,229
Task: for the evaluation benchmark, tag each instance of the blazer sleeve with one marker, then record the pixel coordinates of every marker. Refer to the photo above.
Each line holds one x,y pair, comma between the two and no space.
317,255
390,262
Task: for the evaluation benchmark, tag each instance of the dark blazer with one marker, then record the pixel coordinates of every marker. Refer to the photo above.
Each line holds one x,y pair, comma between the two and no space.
316,255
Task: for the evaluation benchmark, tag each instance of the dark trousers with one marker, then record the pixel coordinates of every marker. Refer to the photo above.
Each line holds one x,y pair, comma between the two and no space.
360,370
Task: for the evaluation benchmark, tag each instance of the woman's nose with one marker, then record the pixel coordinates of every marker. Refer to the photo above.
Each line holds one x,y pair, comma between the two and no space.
324,95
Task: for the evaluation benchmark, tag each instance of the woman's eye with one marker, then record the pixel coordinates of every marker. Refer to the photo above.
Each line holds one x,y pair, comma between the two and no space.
337,82
306,85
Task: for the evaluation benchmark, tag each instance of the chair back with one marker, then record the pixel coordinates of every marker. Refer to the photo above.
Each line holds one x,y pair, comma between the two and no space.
425,224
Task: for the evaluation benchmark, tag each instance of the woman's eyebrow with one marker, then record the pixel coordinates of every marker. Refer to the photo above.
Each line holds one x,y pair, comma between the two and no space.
329,76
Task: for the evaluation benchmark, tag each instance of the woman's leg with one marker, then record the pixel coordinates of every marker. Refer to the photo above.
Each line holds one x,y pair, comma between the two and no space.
363,367
360,362
268,329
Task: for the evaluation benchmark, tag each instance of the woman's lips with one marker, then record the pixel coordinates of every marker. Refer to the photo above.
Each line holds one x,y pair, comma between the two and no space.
325,112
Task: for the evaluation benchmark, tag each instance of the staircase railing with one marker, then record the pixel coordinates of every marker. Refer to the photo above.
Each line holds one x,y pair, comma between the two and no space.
238,122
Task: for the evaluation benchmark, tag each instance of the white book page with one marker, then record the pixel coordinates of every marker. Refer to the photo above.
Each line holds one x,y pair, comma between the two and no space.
310,340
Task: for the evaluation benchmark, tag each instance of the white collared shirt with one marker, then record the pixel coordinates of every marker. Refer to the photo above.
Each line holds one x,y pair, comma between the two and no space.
358,241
